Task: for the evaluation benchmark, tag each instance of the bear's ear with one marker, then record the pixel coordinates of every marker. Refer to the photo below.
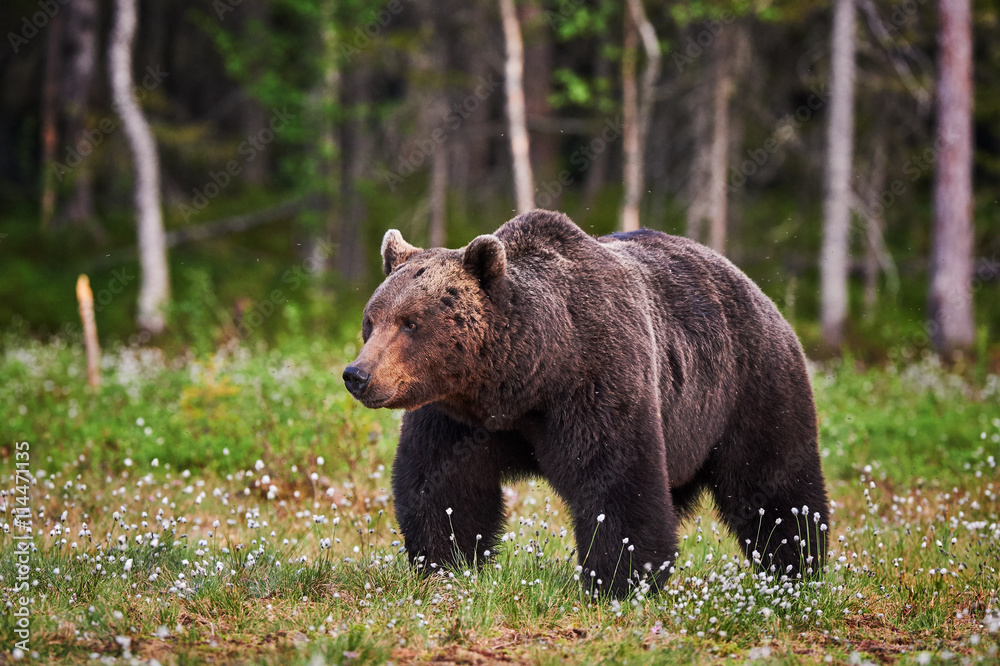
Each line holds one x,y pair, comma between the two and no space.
395,250
485,259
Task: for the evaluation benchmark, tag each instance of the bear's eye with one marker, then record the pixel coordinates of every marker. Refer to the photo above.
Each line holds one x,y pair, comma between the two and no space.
366,329
410,325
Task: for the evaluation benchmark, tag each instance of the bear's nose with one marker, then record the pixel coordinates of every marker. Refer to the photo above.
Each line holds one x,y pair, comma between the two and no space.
356,380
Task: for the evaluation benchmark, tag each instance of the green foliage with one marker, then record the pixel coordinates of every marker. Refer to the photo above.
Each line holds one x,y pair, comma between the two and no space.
571,19
592,92
576,22
684,14
279,65
219,411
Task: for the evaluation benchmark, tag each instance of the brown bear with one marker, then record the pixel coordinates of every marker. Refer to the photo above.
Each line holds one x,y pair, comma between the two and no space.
632,371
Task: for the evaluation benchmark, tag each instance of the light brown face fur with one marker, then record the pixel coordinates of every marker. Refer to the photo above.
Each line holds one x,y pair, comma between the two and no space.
422,328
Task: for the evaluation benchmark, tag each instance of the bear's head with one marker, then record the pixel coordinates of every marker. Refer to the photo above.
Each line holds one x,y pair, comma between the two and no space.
425,326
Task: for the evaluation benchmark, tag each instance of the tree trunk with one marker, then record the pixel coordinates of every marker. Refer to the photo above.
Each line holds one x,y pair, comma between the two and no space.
49,119
708,200
81,42
874,222
324,102
154,290
538,86
430,63
597,168
631,148
719,159
638,108
524,188
471,53
354,155
439,201
837,208
950,298
252,115
700,176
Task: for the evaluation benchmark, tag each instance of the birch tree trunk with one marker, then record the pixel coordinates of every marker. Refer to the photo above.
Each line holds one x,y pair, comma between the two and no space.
638,107
524,188
154,289
837,207
718,201
950,298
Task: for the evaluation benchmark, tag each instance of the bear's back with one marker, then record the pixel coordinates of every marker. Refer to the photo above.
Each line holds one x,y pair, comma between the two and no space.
702,291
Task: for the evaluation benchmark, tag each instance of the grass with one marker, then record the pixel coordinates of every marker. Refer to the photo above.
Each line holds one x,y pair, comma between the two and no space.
236,507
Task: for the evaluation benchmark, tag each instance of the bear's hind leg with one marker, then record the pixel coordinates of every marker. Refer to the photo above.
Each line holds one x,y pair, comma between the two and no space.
770,491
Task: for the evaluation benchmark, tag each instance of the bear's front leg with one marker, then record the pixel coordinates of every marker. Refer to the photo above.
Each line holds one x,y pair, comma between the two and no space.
610,470
446,480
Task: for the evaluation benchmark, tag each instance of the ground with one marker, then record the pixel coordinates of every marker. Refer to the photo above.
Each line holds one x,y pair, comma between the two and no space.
235,507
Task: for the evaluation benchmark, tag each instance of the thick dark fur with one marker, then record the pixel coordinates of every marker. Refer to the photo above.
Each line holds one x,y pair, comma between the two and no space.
631,371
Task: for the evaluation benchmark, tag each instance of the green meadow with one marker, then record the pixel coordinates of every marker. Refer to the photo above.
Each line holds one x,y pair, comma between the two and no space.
236,506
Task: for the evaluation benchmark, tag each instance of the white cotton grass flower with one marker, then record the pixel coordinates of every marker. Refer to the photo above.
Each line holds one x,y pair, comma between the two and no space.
600,518
259,465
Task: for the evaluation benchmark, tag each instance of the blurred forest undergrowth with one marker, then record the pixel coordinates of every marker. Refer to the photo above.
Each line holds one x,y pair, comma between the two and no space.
357,92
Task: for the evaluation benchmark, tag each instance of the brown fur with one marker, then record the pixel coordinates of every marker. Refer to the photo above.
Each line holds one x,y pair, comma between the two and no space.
632,371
